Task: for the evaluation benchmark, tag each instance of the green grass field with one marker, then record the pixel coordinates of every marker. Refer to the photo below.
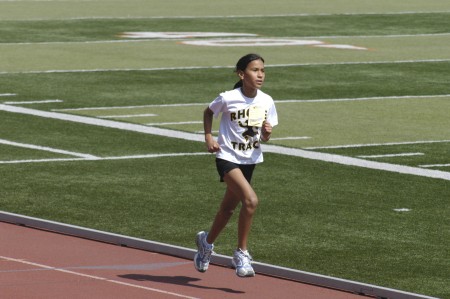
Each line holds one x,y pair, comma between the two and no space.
102,131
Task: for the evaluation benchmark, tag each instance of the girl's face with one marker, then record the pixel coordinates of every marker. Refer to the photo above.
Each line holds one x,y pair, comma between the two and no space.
253,76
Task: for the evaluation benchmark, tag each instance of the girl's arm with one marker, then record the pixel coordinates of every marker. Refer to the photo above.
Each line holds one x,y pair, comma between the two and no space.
211,144
266,131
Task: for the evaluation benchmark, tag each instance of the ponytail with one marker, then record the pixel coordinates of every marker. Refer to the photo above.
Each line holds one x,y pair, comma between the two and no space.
238,84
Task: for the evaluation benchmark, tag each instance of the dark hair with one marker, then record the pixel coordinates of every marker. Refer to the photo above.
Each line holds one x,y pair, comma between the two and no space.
242,63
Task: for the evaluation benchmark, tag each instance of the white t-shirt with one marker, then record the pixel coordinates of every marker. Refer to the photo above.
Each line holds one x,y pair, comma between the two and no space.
240,143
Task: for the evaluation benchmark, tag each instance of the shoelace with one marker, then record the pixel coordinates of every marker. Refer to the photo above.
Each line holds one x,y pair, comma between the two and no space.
244,257
207,252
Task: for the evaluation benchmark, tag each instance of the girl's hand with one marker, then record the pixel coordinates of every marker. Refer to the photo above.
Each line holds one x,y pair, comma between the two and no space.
211,144
266,131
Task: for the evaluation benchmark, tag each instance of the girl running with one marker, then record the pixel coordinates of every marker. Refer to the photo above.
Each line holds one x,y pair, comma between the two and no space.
248,115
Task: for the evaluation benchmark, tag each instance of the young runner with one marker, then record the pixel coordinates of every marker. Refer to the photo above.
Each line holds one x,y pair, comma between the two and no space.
248,115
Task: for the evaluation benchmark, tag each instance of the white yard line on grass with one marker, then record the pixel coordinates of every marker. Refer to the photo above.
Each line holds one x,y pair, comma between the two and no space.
374,144
7,94
195,137
276,101
104,158
47,149
128,115
32,102
268,148
291,138
435,165
175,123
364,99
235,16
222,67
391,155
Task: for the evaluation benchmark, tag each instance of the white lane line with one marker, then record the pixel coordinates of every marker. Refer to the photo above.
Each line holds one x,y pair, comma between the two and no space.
365,99
7,94
391,155
175,123
268,148
104,123
128,115
32,102
375,144
93,277
357,162
276,101
291,138
227,67
47,149
434,165
103,158
131,107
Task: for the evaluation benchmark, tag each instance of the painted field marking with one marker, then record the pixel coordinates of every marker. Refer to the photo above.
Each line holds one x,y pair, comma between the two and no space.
104,158
276,101
364,99
178,35
402,210
291,138
175,123
7,94
391,155
47,149
267,42
241,16
268,148
226,67
375,144
33,102
128,115
93,277
435,165
131,107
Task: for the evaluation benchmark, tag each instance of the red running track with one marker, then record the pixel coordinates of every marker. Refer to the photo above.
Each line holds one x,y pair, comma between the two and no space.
38,264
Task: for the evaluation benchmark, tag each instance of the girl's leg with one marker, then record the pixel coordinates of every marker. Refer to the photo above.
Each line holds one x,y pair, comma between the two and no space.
226,210
242,191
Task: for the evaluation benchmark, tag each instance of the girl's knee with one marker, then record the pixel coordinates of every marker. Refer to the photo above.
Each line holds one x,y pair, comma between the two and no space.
250,204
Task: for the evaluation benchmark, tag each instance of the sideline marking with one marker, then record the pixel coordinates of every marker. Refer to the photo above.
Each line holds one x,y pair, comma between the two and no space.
269,42
177,35
7,94
374,144
365,98
47,149
33,102
175,123
268,148
291,138
239,16
435,165
225,66
94,277
276,101
127,115
391,155
104,158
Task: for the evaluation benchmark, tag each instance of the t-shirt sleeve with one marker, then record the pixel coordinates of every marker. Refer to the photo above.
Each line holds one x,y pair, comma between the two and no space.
272,115
217,106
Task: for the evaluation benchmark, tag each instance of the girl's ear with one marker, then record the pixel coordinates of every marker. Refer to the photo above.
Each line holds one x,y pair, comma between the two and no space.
240,74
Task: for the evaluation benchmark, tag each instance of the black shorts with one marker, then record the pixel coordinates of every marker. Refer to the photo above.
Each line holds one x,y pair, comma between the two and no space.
224,166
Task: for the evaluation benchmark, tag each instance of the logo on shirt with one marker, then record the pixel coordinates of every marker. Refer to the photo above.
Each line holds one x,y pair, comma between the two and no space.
241,117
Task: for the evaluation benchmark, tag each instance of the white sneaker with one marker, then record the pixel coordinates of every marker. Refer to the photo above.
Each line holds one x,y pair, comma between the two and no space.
203,255
242,262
